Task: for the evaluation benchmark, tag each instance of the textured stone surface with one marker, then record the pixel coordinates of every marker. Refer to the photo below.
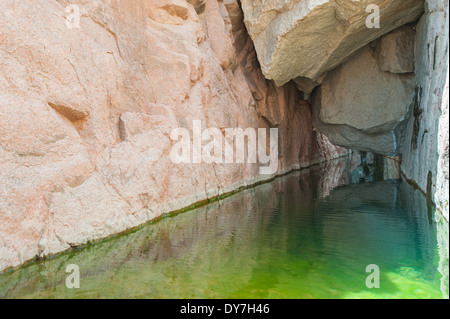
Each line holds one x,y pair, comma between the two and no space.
360,107
396,51
442,178
298,38
306,85
86,115
425,153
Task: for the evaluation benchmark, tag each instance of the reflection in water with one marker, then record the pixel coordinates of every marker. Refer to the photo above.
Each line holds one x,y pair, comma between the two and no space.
302,236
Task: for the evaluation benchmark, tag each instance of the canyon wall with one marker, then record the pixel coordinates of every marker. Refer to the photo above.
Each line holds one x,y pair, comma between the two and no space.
426,153
87,111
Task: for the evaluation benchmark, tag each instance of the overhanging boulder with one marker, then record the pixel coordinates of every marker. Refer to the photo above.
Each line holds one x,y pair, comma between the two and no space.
297,39
361,107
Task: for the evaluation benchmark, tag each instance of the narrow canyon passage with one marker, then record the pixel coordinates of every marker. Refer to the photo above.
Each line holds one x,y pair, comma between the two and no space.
310,234
224,148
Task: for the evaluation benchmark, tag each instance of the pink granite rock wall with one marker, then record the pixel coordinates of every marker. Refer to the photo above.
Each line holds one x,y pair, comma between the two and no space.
86,115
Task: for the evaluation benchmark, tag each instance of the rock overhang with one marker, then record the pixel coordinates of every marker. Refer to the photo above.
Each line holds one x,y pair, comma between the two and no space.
298,38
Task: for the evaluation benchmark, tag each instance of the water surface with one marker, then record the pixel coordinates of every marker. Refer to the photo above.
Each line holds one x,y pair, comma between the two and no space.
306,235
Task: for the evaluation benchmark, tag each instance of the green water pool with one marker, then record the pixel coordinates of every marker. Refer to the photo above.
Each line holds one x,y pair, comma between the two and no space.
301,236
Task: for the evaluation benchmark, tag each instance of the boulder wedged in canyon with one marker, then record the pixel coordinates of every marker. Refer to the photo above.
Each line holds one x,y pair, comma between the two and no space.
306,39
86,115
312,43
361,107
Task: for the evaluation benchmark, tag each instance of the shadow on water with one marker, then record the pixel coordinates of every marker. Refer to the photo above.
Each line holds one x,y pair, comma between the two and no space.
310,234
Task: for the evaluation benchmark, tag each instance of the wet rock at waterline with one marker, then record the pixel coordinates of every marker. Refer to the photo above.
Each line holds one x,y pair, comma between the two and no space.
296,237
